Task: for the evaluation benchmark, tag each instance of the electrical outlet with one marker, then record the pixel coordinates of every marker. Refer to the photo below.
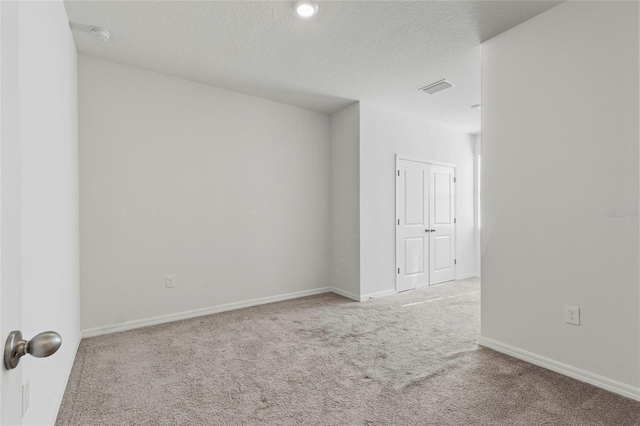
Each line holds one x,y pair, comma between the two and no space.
26,390
572,315
170,280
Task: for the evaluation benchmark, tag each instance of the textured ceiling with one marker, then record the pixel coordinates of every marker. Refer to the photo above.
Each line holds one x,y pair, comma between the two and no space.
380,52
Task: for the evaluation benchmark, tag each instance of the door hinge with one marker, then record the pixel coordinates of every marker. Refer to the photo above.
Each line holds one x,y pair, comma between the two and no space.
398,270
455,261
454,180
454,220
398,221
398,172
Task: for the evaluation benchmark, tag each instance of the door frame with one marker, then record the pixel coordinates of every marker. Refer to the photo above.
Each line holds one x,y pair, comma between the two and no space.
10,207
397,215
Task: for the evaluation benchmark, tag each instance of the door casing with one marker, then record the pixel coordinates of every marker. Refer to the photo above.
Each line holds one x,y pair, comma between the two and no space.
10,210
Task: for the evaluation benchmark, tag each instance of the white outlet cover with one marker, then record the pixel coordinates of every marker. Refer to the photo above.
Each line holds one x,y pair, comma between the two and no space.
572,315
170,281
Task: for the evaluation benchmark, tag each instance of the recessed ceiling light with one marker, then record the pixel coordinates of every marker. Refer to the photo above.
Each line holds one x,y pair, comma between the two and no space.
100,33
306,9
476,106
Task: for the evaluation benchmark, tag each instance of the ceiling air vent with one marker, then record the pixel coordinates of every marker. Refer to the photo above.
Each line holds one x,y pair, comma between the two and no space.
437,86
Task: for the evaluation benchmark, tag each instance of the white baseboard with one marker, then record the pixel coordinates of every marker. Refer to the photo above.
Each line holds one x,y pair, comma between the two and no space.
467,276
129,325
346,294
377,295
602,382
60,396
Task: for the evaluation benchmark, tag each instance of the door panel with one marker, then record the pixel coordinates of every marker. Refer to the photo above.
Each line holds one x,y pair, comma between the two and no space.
442,223
442,200
414,197
411,224
441,253
414,255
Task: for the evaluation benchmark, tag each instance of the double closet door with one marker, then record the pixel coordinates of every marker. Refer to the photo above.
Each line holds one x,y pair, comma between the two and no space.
425,224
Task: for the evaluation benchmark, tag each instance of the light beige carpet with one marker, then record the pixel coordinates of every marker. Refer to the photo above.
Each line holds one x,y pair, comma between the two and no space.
410,359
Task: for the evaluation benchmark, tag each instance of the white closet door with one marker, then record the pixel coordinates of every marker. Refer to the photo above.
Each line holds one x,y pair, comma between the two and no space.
412,236
442,224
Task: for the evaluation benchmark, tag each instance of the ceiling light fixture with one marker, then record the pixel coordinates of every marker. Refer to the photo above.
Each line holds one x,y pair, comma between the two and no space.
100,33
306,9
476,106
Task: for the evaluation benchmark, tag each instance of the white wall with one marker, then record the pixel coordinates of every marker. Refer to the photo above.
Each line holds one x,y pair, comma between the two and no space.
228,192
345,201
49,179
559,148
383,133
